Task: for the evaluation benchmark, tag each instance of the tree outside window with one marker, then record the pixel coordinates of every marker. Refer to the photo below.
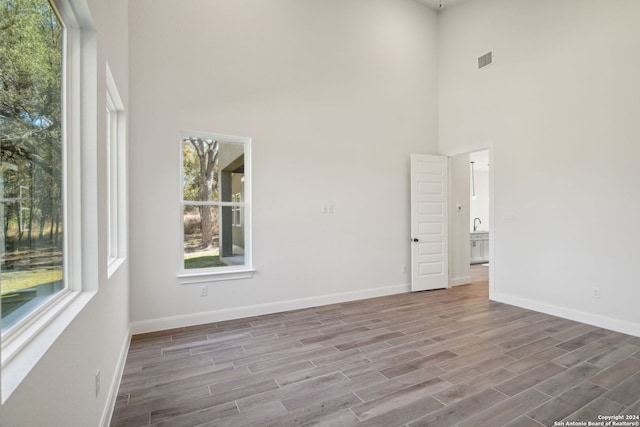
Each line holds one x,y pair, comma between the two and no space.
31,150
213,184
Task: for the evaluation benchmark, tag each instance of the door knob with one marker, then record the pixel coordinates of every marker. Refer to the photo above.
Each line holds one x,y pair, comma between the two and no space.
415,240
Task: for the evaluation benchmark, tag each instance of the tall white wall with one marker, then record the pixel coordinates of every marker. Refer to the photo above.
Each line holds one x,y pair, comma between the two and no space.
560,104
335,94
60,389
459,208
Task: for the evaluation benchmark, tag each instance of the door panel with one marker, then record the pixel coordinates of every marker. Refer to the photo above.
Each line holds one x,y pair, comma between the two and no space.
429,248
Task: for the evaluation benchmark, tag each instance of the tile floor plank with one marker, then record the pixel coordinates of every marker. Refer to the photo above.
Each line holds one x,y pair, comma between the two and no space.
536,359
461,410
567,379
626,392
560,407
600,406
472,386
617,373
508,410
529,379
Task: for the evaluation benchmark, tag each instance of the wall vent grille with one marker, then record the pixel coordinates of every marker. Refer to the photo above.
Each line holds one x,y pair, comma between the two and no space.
485,60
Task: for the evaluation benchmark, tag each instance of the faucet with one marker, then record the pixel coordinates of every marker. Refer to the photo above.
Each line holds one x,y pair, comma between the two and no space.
475,226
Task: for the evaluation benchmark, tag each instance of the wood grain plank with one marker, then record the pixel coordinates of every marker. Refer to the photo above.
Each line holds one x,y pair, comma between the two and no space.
599,406
529,379
560,407
627,392
508,410
460,411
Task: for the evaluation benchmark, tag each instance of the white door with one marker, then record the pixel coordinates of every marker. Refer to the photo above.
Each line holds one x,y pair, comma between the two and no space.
429,233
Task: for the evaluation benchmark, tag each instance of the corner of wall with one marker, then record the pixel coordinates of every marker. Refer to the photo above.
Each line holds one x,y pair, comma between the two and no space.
115,381
600,321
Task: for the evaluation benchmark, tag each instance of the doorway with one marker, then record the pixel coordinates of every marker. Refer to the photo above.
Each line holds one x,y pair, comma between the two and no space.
479,274
479,216
470,218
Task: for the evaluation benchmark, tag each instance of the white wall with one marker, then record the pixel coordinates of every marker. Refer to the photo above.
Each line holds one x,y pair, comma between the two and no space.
459,195
560,104
335,94
60,390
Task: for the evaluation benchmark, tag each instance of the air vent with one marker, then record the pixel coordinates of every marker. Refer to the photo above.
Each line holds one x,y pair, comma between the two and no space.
485,60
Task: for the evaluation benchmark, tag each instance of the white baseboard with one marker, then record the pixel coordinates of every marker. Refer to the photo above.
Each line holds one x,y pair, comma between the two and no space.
115,381
185,320
605,322
457,281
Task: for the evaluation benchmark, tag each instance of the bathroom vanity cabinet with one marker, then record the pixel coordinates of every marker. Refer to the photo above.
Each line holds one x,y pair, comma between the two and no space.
479,247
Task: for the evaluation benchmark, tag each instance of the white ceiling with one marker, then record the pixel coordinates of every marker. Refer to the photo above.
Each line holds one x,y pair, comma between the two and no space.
435,4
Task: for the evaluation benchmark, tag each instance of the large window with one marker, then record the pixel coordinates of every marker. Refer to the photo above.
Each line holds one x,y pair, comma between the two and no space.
215,203
32,214
48,144
116,178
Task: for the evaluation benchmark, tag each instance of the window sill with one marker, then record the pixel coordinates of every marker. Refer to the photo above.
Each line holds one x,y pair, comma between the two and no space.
21,354
214,276
113,265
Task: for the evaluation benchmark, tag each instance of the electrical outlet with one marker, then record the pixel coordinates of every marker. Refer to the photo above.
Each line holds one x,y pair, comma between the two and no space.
403,269
595,292
204,291
327,208
97,382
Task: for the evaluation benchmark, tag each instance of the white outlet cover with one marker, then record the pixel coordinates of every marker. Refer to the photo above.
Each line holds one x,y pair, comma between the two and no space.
510,217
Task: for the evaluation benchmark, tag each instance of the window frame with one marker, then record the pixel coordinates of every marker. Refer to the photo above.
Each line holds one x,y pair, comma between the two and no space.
116,176
41,309
230,272
26,342
236,211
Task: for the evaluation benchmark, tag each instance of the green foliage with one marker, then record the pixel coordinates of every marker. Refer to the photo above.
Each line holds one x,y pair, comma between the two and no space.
204,261
200,174
31,41
17,280
192,179
30,118
31,60
200,169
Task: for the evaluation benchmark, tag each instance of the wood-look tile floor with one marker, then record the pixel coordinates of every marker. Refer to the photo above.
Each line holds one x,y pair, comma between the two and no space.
438,358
